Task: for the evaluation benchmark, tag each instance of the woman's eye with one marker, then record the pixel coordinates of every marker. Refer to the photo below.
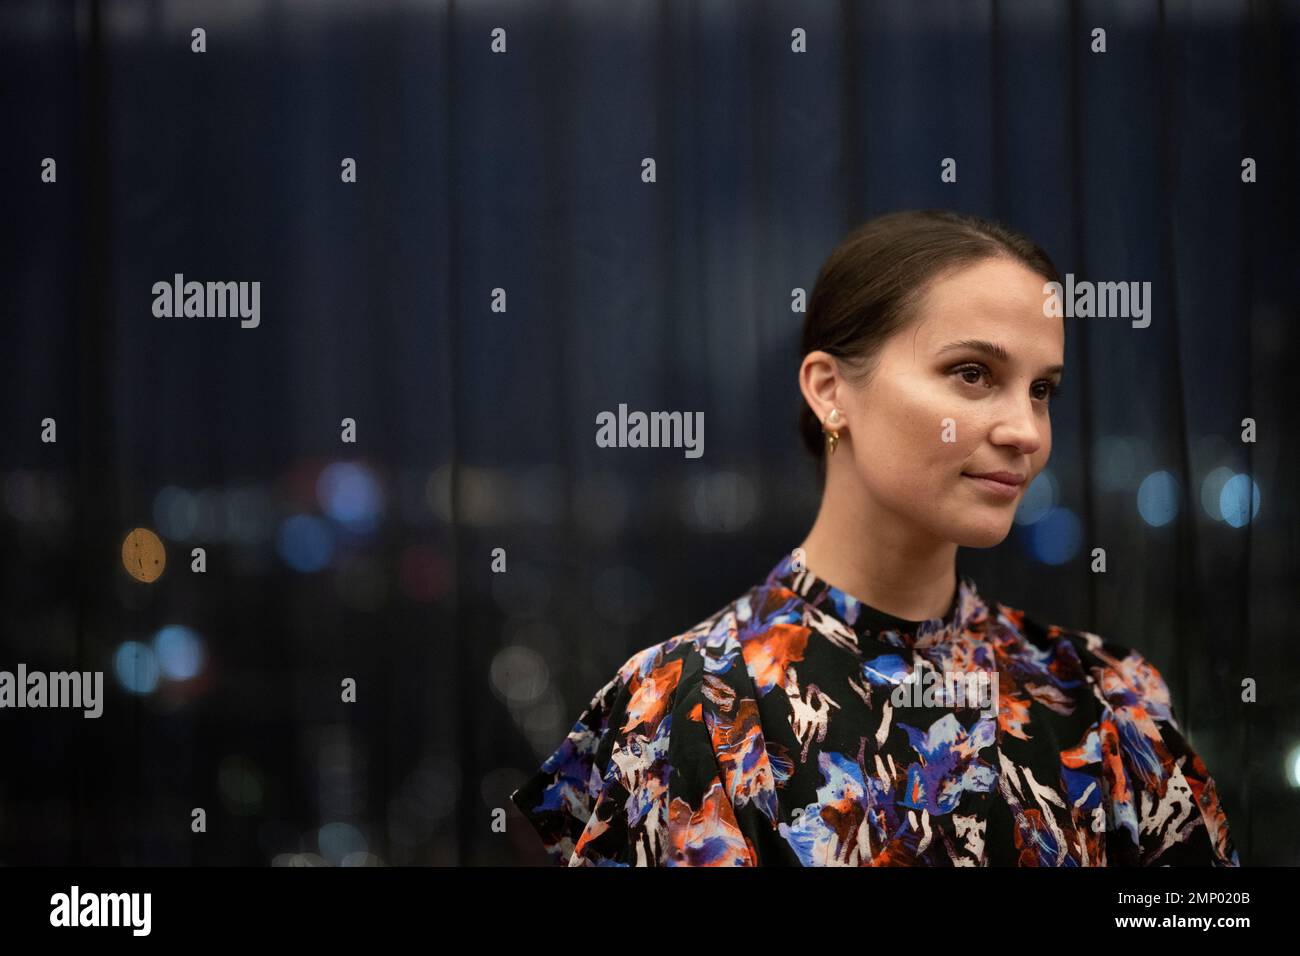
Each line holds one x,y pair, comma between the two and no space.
973,375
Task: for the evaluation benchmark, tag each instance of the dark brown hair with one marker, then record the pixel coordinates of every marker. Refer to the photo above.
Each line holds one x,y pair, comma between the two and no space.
872,282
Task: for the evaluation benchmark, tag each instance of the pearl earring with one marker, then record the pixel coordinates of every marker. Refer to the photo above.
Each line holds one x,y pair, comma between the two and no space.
832,435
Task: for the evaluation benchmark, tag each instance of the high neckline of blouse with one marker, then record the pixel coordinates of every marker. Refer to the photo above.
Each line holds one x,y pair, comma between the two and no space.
871,622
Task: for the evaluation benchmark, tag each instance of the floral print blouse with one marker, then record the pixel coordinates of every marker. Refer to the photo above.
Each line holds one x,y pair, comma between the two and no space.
797,726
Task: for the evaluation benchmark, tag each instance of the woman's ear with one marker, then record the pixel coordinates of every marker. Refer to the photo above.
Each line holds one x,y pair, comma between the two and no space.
819,380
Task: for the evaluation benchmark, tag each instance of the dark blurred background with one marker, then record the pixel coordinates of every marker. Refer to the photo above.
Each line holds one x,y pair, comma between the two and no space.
475,428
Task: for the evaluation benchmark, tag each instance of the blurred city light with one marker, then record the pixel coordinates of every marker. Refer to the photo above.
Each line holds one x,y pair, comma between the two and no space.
179,652
305,542
1212,489
1157,498
136,667
350,494
1239,500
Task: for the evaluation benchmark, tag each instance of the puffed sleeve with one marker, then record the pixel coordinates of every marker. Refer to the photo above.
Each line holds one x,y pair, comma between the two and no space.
601,798
1163,808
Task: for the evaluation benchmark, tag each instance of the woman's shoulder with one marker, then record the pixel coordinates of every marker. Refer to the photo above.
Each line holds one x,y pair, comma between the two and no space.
684,643
1163,802
647,685
1036,630
618,747
1121,672
655,671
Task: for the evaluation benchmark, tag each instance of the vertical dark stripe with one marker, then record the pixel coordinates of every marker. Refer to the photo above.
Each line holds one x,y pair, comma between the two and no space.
765,44
380,77
464,687
1268,113
1185,565
1078,213
97,497
1253,43
852,119
670,177
1279,97
996,112
559,147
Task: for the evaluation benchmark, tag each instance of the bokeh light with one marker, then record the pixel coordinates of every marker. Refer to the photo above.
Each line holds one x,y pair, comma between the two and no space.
338,840
545,722
350,494
719,501
136,667
1157,498
143,555
1292,766
179,652
175,513
1212,488
1055,539
519,674
422,573
36,497
1239,500
305,543
1119,461
483,496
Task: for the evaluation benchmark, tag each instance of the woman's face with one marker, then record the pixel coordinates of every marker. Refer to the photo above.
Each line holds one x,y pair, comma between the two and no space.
940,407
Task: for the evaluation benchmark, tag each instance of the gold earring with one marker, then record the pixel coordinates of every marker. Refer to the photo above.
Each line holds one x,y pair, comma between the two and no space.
832,437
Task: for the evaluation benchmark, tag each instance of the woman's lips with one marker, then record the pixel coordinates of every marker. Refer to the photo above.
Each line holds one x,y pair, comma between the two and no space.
1002,489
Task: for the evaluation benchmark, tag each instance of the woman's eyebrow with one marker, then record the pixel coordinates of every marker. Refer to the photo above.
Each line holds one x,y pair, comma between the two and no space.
979,345
993,350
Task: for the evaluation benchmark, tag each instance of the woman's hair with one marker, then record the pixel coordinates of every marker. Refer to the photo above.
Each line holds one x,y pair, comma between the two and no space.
872,282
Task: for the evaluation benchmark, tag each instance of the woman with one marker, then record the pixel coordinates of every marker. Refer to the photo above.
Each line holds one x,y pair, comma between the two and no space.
818,719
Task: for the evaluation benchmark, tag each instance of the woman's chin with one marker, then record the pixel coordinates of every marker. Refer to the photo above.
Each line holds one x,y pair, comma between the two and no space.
983,535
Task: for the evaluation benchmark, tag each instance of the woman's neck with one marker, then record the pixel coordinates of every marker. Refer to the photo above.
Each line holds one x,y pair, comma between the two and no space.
879,558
